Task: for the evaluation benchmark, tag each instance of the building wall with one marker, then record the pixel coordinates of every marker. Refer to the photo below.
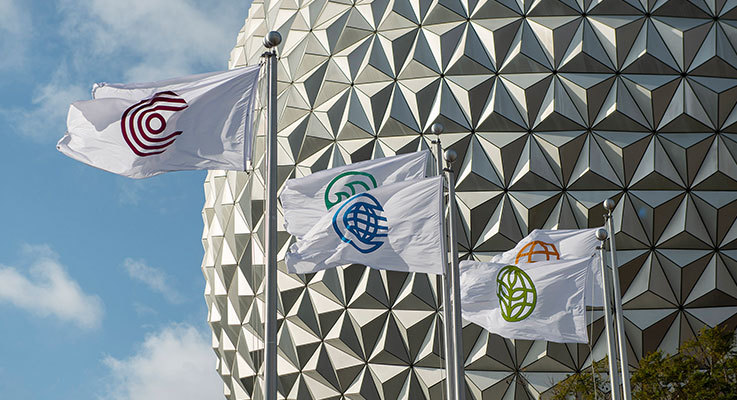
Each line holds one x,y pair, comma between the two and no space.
552,106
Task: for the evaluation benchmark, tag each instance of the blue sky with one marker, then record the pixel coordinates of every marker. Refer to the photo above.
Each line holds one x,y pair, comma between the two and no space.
100,280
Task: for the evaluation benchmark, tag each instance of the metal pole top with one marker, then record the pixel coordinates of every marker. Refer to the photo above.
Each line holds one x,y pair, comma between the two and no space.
609,205
450,155
436,128
601,234
272,39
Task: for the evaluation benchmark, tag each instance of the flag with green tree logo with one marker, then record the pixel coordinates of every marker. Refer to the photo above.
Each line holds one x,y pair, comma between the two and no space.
535,301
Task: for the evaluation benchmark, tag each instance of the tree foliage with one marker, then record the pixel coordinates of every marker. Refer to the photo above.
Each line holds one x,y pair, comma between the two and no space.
704,368
583,386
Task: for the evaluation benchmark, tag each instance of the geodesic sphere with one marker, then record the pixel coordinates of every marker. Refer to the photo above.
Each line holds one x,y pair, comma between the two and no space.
551,106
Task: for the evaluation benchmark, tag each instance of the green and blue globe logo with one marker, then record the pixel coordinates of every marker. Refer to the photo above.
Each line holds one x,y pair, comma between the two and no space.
360,222
516,293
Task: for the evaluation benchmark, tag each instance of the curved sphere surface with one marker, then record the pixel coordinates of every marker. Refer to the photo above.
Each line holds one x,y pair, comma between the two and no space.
552,106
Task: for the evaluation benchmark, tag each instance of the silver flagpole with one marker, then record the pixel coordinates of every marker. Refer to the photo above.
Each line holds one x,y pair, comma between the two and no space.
621,338
458,370
437,129
271,40
602,235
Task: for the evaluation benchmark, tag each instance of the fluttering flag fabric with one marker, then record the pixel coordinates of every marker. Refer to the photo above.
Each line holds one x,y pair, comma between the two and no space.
306,200
144,129
393,227
551,245
559,245
538,301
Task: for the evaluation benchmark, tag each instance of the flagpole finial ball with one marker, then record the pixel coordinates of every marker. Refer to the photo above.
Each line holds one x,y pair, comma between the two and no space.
450,155
436,128
609,204
272,39
602,234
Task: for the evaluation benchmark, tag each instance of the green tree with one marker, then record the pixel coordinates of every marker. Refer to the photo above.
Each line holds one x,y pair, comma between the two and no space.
582,385
704,369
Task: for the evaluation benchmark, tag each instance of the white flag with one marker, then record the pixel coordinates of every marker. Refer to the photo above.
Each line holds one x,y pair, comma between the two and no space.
306,200
395,227
145,129
558,245
540,301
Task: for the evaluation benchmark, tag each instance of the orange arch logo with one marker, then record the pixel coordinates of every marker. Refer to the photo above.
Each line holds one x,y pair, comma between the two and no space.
537,247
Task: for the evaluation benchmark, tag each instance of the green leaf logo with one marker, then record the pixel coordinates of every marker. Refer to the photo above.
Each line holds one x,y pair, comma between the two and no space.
516,293
346,185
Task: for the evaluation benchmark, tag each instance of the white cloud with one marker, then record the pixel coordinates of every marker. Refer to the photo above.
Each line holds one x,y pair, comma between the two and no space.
142,309
135,40
45,120
15,30
130,191
155,39
176,363
154,278
49,290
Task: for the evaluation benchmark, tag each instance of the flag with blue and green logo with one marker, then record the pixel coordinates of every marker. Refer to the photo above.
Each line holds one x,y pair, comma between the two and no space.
306,200
395,227
538,301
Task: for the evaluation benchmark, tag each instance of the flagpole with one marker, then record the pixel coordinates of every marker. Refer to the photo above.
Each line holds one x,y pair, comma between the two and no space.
271,40
621,338
437,129
458,370
602,235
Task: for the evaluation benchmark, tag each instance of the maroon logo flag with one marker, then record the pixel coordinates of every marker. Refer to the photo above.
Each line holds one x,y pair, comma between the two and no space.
131,129
144,123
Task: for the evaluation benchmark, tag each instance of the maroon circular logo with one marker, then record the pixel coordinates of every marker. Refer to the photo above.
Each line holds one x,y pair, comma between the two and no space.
144,123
